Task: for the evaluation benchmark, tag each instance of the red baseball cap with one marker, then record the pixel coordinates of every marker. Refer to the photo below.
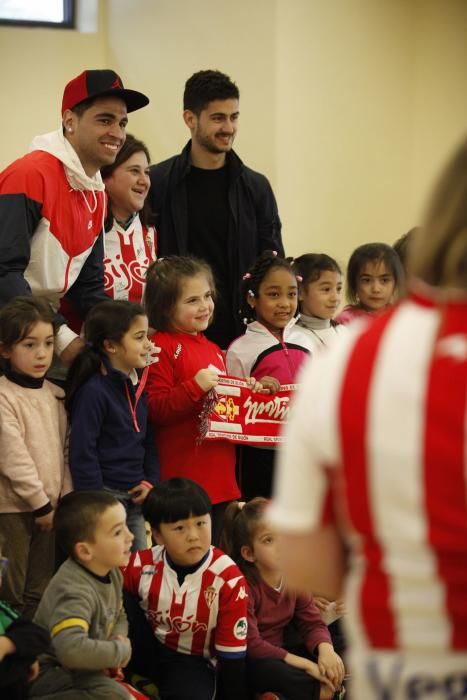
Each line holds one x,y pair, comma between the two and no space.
100,83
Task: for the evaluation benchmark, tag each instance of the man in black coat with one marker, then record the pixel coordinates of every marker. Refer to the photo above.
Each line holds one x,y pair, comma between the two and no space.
209,204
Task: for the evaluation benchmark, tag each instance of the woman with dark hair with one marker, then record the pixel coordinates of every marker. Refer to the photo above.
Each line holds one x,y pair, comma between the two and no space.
130,242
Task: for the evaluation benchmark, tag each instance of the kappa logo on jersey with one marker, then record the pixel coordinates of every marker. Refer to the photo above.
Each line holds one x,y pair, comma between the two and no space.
241,594
178,351
210,595
241,628
177,623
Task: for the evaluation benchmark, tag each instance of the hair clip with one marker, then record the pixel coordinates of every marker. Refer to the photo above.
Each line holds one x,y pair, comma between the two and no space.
160,260
299,278
246,276
251,293
241,505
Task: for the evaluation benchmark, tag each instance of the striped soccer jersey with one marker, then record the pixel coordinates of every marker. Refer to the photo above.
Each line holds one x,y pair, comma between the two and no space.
205,616
387,407
128,254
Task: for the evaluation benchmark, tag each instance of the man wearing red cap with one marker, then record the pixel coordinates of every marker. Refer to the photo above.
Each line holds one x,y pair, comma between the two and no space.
52,202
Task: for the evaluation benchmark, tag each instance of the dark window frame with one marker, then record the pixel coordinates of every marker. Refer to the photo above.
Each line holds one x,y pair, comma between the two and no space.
69,16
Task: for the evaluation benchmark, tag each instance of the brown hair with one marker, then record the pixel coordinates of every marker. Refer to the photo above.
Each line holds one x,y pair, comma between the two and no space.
19,316
438,254
241,523
77,517
131,146
164,280
372,253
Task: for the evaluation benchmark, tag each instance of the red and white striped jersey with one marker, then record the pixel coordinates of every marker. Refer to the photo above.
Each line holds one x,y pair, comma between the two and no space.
205,616
387,409
128,254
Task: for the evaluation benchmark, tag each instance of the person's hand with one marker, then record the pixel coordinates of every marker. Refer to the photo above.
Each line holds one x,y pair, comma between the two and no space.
122,638
45,522
33,672
138,494
270,385
207,379
321,602
340,607
6,647
254,384
330,664
311,668
72,350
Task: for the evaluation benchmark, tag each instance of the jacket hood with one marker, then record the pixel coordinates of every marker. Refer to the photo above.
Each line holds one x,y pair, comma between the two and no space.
57,145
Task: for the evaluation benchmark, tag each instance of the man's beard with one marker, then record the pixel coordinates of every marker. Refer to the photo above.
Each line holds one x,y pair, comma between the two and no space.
209,144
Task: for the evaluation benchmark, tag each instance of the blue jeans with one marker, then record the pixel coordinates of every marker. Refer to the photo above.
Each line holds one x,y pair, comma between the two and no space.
134,518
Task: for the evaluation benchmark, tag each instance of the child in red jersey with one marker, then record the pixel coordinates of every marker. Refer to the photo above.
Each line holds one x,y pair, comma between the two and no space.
193,596
272,664
180,305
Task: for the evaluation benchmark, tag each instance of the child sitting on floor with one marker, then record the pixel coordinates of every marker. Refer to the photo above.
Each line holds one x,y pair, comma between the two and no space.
21,641
271,666
193,596
82,605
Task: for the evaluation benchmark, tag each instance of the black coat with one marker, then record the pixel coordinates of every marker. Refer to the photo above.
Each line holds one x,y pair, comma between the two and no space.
254,220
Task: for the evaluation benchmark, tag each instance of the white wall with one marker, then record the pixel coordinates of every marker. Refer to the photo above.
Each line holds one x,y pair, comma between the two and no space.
35,65
179,37
344,76
439,89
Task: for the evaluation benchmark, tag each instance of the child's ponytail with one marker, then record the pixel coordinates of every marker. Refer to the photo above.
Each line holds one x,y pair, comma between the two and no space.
87,363
231,513
109,320
241,521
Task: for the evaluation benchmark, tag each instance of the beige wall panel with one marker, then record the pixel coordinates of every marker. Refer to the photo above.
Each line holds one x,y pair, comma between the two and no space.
160,43
35,65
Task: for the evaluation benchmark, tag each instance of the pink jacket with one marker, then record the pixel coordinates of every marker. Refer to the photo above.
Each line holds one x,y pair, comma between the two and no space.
33,464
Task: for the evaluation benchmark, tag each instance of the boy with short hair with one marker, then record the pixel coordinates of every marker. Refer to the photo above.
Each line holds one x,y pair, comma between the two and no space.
193,596
82,605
